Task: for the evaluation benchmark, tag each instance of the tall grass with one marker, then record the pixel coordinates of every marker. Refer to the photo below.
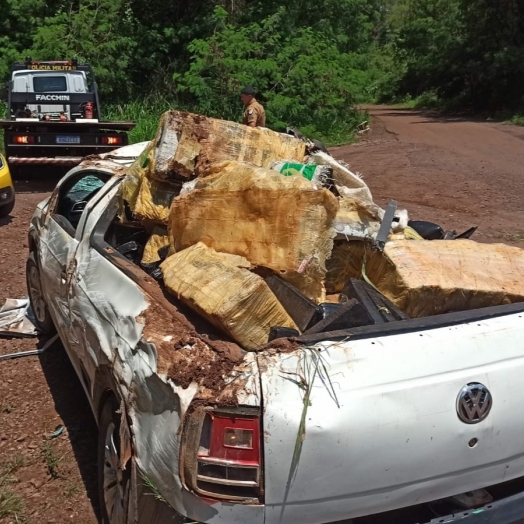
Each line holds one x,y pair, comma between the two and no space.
145,112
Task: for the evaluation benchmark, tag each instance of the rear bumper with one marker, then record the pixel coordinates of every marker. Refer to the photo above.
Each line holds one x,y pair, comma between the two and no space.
505,511
62,161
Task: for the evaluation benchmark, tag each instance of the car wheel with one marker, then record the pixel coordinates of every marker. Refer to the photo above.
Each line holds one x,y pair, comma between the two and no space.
6,210
113,482
42,317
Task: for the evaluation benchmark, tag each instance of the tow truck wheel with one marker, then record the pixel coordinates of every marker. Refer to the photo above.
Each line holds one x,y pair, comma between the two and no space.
42,317
113,482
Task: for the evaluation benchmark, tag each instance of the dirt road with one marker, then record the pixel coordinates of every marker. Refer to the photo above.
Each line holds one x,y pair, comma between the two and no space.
453,171
456,172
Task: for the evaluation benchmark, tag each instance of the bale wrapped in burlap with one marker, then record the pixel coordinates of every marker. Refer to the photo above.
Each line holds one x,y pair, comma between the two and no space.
154,199
186,144
158,239
130,186
231,298
346,261
281,223
148,198
429,277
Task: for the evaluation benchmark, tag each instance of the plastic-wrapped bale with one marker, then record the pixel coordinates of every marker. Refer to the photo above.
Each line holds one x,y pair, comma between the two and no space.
158,239
235,260
233,299
281,223
425,277
186,144
154,199
346,261
130,187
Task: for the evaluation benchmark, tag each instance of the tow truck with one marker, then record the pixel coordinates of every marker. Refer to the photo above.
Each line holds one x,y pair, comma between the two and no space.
53,115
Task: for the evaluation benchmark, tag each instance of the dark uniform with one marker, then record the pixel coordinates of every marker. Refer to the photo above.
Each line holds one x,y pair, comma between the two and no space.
254,112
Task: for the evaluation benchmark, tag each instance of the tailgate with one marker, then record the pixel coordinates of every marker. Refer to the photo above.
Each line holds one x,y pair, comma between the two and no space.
382,429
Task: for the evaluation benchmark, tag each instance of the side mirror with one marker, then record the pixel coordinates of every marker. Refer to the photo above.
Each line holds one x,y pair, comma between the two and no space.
3,94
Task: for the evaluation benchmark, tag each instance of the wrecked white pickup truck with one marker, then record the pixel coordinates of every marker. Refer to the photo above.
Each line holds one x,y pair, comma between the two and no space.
419,418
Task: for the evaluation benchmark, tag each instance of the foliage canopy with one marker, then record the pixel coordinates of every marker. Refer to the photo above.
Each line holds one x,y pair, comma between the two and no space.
311,61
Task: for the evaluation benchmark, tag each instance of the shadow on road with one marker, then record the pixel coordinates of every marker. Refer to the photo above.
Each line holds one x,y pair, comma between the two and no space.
6,220
429,116
72,406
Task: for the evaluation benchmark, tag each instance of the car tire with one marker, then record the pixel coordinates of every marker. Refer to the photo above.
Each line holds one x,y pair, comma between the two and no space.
6,210
113,482
42,318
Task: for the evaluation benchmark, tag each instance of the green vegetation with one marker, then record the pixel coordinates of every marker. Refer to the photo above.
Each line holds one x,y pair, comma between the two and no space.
518,120
51,458
312,61
11,504
6,407
145,112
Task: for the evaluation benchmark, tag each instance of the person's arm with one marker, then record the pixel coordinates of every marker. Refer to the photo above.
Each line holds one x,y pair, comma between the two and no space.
252,117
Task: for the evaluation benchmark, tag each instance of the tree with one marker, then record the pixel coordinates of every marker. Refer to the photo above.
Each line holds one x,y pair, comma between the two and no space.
302,77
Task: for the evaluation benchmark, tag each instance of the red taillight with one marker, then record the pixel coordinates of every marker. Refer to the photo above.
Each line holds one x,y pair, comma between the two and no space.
23,139
112,140
228,457
225,429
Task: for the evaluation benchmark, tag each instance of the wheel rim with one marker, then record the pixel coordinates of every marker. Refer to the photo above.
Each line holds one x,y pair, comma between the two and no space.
113,480
35,292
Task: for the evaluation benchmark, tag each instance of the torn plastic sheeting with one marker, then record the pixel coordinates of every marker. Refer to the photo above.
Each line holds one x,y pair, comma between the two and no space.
356,219
348,184
16,318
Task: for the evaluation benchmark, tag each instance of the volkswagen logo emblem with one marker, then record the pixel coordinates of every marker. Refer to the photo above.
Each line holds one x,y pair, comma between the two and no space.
474,403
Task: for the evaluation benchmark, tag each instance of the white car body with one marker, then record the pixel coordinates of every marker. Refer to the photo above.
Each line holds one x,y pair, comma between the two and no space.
352,425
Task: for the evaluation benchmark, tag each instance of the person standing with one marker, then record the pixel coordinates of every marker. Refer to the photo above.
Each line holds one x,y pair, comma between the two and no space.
254,114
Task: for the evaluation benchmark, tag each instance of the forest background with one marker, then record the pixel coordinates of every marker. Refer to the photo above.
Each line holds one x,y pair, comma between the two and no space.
311,61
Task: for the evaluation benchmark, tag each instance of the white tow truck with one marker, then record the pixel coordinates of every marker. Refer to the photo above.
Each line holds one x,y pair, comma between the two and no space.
53,115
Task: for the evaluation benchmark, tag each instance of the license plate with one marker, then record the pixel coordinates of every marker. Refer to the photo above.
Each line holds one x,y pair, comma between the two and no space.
68,140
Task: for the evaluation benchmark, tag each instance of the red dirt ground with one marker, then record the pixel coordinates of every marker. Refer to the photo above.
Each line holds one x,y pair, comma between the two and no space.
453,171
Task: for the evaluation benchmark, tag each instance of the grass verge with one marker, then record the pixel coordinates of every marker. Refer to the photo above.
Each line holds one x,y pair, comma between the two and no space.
147,112
11,505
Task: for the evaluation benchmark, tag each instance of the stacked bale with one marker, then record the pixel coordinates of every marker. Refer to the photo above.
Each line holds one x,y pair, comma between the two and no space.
238,201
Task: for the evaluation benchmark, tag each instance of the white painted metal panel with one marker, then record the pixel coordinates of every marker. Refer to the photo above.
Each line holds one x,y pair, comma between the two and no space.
396,439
